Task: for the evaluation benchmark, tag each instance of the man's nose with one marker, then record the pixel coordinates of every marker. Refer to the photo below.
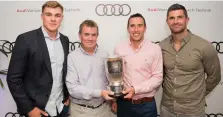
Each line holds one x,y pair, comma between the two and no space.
53,18
91,37
136,28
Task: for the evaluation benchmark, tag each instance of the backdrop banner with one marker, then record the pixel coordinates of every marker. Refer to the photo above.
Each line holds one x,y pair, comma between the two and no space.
22,16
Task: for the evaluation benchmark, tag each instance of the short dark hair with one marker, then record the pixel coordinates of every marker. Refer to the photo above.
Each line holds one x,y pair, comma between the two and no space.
88,23
52,4
136,15
177,7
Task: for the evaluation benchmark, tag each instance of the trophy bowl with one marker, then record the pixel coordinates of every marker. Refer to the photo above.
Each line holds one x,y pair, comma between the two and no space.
114,73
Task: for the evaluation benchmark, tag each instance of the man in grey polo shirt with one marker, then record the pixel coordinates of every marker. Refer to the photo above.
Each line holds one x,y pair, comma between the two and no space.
86,79
187,58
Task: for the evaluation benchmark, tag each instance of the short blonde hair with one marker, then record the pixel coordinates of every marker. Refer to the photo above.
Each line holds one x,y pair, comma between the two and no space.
52,4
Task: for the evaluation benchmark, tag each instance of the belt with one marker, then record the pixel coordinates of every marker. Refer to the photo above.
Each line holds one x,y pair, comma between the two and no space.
141,100
92,107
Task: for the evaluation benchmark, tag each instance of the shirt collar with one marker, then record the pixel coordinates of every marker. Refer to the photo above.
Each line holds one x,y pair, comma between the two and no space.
140,45
45,34
186,38
95,51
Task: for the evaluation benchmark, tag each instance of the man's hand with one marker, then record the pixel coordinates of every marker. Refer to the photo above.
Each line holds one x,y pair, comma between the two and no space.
36,112
114,106
67,102
130,92
105,94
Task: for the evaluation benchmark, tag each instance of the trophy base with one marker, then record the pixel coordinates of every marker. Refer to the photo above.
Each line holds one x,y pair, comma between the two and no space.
117,90
118,94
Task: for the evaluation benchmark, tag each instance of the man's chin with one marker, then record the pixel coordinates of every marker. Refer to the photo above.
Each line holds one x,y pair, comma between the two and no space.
137,40
90,46
176,31
53,30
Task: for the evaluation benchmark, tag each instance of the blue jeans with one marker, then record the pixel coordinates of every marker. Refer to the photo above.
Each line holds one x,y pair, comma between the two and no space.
127,109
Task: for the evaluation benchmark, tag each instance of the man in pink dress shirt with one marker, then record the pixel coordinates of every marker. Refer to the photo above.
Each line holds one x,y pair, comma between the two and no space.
143,71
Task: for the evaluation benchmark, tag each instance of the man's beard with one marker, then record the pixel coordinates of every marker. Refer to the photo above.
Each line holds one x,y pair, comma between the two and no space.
177,32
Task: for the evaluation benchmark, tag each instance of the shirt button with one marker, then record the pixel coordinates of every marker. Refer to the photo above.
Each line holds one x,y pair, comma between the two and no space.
175,101
175,90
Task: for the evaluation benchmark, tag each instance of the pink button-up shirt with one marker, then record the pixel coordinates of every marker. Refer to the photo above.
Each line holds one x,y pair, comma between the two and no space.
143,68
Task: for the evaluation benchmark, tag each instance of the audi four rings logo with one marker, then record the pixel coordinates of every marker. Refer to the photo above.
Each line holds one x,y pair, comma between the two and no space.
6,46
113,9
214,115
11,114
218,46
74,45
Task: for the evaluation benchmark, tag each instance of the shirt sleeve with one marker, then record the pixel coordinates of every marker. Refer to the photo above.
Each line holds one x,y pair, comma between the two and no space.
157,75
75,88
212,68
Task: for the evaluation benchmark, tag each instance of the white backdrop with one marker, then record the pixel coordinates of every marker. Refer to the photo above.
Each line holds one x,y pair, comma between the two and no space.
205,20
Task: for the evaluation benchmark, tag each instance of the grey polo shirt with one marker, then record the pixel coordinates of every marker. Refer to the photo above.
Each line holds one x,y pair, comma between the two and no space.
86,76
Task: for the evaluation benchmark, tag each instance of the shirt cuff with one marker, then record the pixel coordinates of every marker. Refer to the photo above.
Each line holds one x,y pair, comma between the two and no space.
96,93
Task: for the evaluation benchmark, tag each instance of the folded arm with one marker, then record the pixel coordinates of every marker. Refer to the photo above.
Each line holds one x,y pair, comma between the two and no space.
212,68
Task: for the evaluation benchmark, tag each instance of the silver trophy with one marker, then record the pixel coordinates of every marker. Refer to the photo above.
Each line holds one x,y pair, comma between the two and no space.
114,72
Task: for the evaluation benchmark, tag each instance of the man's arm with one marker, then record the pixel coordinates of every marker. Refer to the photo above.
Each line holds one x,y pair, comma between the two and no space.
17,68
157,75
212,68
76,89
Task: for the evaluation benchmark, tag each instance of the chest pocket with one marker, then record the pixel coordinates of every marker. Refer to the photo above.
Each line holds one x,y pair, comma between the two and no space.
191,61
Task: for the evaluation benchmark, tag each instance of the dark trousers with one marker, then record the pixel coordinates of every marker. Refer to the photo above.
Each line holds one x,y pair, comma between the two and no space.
127,109
64,112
